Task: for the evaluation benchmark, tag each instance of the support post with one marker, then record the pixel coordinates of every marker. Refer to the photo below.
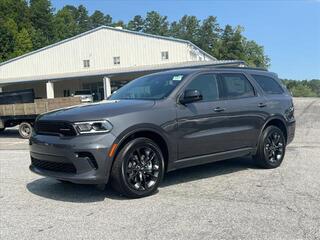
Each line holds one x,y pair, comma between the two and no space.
106,87
50,89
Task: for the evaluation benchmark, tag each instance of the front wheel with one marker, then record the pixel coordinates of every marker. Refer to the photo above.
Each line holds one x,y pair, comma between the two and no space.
138,168
25,130
271,148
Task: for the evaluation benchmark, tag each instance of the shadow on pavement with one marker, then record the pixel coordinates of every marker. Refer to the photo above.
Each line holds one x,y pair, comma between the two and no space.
10,133
208,170
68,192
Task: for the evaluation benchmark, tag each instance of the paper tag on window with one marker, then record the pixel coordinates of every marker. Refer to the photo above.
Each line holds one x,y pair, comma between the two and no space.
177,78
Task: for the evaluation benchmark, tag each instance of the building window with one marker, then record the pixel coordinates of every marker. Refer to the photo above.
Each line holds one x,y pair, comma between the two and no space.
86,63
165,55
116,60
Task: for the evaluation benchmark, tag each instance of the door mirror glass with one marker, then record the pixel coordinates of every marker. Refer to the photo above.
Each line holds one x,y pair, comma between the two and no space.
190,95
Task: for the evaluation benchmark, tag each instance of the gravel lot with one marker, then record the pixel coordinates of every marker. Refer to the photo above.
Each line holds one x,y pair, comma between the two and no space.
224,200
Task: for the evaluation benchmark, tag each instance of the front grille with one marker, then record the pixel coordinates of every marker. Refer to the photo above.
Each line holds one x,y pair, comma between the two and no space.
55,128
53,166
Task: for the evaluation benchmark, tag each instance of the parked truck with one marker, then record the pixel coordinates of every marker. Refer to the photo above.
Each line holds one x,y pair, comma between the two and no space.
20,108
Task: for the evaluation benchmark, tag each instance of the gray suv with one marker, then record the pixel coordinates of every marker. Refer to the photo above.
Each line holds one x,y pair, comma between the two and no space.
166,121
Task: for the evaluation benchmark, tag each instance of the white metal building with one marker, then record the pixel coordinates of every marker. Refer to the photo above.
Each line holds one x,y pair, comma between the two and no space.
99,60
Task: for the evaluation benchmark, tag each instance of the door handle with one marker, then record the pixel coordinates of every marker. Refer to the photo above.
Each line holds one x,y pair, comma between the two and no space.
218,109
262,105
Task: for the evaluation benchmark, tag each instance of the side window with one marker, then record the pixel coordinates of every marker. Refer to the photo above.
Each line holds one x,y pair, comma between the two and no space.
207,84
268,84
235,85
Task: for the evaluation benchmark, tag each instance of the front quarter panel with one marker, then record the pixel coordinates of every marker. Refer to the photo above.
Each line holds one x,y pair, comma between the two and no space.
160,119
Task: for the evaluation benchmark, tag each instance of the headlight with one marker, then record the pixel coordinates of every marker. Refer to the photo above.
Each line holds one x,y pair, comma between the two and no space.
93,127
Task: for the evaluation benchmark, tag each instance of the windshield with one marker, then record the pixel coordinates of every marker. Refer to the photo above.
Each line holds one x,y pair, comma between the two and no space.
152,87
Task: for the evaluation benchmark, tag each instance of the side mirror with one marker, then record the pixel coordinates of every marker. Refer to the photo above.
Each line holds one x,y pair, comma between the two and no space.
191,95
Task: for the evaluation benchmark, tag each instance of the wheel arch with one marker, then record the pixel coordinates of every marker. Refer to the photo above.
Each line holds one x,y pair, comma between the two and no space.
150,131
277,121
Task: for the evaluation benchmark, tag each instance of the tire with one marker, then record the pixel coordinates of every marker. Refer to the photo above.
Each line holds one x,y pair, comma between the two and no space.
138,169
2,129
25,130
271,148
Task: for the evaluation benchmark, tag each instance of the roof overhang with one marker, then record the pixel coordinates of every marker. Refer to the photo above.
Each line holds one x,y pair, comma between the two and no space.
122,71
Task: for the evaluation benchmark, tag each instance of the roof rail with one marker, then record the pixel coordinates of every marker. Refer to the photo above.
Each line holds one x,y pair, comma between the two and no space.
249,68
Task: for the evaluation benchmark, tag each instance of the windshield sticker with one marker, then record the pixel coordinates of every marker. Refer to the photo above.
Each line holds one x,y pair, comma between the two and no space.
177,78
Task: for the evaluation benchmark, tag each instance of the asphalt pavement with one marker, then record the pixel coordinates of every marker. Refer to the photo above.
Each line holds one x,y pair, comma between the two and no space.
225,200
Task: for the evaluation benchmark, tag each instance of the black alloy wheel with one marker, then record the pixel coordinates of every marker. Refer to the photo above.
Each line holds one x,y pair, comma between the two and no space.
274,147
138,168
142,168
271,148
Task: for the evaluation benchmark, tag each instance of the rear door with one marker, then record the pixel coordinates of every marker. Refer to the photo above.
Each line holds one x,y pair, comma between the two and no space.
245,110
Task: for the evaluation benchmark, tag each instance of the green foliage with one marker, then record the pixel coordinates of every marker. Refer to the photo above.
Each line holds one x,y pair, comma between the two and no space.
156,24
187,28
29,25
209,34
303,88
136,24
65,24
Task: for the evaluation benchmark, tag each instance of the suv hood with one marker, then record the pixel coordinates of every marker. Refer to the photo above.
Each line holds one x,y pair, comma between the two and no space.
97,111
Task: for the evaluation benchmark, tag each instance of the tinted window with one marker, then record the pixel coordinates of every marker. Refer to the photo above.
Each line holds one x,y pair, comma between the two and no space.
207,85
268,84
151,87
235,85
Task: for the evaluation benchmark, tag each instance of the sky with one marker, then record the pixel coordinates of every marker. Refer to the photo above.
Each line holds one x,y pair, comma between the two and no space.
288,30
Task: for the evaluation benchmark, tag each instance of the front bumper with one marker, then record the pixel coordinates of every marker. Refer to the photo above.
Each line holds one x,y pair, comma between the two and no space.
80,159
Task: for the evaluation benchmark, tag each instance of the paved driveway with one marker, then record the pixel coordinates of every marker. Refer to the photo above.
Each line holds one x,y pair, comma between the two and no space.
224,200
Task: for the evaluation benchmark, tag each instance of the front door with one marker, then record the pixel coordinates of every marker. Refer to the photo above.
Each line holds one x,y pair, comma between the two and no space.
201,123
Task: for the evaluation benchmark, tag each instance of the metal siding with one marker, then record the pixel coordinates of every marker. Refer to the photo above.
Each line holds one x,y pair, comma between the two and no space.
100,47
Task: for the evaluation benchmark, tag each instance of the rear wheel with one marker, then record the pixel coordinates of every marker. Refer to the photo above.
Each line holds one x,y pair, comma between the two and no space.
271,148
138,168
25,130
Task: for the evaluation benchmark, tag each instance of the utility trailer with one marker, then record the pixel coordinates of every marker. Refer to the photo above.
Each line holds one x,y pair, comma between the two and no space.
24,114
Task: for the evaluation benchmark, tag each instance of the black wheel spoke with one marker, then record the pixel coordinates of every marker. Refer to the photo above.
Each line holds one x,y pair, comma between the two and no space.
142,168
274,147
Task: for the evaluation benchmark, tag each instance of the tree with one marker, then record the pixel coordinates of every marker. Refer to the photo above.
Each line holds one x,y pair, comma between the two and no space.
83,19
25,20
8,30
136,24
254,55
23,43
187,28
97,19
230,45
209,34
315,86
107,20
303,91
119,24
41,17
156,24
233,45
65,23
